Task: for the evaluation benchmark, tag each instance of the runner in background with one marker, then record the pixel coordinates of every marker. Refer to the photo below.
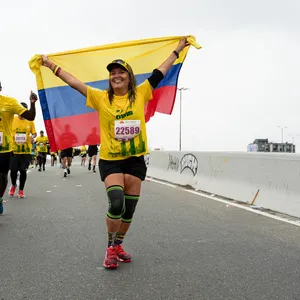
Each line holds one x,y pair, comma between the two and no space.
66,159
8,108
83,154
53,158
92,152
42,149
23,132
33,154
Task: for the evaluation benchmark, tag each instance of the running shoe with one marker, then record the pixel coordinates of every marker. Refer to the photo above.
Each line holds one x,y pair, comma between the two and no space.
21,194
12,190
110,260
122,255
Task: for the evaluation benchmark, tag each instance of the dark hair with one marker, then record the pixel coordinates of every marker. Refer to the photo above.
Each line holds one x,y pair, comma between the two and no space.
24,104
131,87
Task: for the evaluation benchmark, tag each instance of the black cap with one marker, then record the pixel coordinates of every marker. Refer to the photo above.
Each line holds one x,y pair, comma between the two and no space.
118,63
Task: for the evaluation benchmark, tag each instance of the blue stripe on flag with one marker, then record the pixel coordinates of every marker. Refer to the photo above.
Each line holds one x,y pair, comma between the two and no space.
64,101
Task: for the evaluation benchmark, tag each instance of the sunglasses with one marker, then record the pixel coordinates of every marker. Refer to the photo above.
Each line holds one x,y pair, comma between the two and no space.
121,62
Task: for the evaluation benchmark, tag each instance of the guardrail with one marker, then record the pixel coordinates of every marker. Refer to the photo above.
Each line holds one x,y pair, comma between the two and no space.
268,180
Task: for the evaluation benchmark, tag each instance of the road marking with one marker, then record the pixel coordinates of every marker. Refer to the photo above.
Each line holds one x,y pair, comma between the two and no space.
228,202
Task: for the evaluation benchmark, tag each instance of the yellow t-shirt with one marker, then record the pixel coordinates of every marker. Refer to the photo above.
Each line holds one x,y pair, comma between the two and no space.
122,125
83,150
8,108
21,130
42,143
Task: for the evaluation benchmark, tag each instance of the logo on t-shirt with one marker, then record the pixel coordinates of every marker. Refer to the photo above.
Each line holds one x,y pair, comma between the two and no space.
122,116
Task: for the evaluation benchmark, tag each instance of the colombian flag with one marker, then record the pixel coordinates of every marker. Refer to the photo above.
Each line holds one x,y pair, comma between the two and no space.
68,121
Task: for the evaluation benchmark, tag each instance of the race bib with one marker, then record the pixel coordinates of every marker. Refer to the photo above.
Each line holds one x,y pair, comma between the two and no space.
20,138
1,138
126,130
41,145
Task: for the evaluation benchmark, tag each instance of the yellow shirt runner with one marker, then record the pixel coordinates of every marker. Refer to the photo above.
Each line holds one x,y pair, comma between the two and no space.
41,142
21,130
83,150
8,108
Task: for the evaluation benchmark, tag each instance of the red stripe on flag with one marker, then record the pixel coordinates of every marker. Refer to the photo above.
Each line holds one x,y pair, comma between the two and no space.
74,131
163,101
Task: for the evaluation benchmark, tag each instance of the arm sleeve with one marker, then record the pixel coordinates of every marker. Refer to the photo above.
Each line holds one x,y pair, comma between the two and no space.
94,98
156,77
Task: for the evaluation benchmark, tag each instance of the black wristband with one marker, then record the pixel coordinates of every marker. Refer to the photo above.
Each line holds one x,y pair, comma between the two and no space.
176,53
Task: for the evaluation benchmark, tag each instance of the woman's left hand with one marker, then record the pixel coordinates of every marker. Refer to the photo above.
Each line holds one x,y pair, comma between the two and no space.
182,44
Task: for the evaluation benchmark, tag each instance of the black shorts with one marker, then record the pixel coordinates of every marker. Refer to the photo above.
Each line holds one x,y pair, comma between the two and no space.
83,155
134,166
42,154
20,162
66,153
5,159
92,150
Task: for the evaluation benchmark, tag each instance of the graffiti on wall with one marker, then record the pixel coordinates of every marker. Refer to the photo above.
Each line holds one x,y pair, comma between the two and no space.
187,161
173,163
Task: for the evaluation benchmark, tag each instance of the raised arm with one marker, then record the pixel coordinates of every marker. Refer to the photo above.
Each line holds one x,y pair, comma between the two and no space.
69,79
30,114
167,64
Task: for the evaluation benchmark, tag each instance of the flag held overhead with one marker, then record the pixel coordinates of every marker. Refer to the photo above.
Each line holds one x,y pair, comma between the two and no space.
64,107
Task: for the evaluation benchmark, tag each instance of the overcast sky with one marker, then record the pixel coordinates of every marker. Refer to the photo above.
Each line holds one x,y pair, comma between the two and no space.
243,83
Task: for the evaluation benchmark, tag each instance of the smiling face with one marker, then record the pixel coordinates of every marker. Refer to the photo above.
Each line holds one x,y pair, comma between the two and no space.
119,79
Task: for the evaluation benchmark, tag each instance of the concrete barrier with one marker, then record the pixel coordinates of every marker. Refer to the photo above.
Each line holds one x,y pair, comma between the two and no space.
268,180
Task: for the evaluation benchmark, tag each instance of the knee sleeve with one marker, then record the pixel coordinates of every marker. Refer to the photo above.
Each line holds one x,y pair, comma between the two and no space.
115,195
130,205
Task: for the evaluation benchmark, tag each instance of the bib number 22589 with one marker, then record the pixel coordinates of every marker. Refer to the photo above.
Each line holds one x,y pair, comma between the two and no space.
127,130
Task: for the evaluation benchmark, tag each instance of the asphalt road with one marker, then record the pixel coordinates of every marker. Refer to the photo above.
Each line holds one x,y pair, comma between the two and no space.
184,246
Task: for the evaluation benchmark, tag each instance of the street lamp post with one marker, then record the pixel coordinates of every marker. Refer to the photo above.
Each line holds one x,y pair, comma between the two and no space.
180,112
281,133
